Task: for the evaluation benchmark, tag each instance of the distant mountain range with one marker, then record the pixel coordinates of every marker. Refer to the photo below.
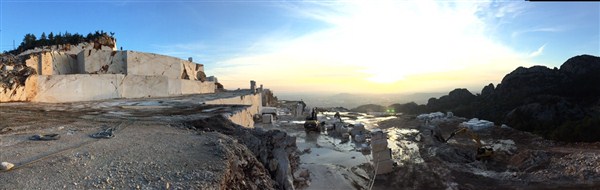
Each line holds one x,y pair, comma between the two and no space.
352,100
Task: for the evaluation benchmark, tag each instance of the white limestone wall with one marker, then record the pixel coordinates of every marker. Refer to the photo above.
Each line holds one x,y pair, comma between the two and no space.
150,64
138,86
58,63
253,100
185,87
243,117
139,63
107,74
53,63
102,62
77,87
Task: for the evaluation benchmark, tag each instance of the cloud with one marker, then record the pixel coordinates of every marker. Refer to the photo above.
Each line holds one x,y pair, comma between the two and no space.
538,51
382,46
533,30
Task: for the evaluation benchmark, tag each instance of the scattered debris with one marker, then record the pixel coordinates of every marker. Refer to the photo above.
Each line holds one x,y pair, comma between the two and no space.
45,137
105,134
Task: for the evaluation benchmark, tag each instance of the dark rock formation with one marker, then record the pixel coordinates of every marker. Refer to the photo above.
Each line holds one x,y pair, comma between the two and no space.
274,149
409,108
370,108
561,104
487,90
458,100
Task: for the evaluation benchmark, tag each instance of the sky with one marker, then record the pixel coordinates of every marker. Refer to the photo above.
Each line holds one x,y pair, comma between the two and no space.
330,46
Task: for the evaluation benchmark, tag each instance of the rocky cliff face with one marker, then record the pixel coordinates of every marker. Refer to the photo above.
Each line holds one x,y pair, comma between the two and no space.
275,151
561,104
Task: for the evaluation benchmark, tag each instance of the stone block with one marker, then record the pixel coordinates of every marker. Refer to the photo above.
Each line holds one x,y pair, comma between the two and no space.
78,87
267,118
184,87
212,79
191,70
379,145
197,87
253,100
137,86
384,167
382,155
53,63
102,62
149,64
33,61
377,135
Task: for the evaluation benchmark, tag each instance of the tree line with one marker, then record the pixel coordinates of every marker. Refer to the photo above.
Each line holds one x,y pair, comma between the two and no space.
30,41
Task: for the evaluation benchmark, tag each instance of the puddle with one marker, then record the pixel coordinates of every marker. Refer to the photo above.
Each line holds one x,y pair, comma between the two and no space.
403,145
332,162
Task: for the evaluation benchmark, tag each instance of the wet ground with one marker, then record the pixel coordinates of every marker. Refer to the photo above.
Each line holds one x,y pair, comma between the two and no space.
333,162
521,160
151,147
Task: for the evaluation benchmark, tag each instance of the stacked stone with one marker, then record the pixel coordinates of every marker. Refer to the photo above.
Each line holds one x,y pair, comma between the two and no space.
382,155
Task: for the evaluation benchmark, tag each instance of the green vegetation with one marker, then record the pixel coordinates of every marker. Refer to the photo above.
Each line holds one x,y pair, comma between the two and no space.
30,41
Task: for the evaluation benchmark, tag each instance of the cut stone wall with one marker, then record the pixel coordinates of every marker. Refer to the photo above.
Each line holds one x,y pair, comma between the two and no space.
88,87
243,117
63,88
185,87
150,64
137,86
102,62
97,74
253,100
53,63
136,63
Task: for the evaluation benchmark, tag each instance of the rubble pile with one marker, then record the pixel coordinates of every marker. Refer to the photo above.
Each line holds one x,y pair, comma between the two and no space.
277,151
243,170
274,149
13,72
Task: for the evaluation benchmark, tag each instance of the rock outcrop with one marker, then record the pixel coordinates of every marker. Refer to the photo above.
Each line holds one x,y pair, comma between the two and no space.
561,104
276,150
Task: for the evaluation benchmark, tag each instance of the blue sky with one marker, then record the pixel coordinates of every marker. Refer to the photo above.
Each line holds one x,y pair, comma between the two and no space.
331,46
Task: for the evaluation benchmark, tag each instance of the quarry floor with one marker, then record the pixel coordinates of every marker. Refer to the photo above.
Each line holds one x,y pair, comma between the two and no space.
151,149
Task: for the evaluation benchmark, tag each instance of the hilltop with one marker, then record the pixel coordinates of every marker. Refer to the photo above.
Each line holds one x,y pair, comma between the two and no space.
559,103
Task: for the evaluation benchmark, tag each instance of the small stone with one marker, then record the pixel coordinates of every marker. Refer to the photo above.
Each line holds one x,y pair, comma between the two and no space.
304,173
5,166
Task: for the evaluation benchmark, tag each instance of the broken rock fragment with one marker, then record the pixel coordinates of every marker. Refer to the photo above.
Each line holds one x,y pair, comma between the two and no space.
5,166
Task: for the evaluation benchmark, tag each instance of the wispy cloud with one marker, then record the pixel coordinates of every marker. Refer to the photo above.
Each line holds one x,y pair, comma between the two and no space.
537,52
533,30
